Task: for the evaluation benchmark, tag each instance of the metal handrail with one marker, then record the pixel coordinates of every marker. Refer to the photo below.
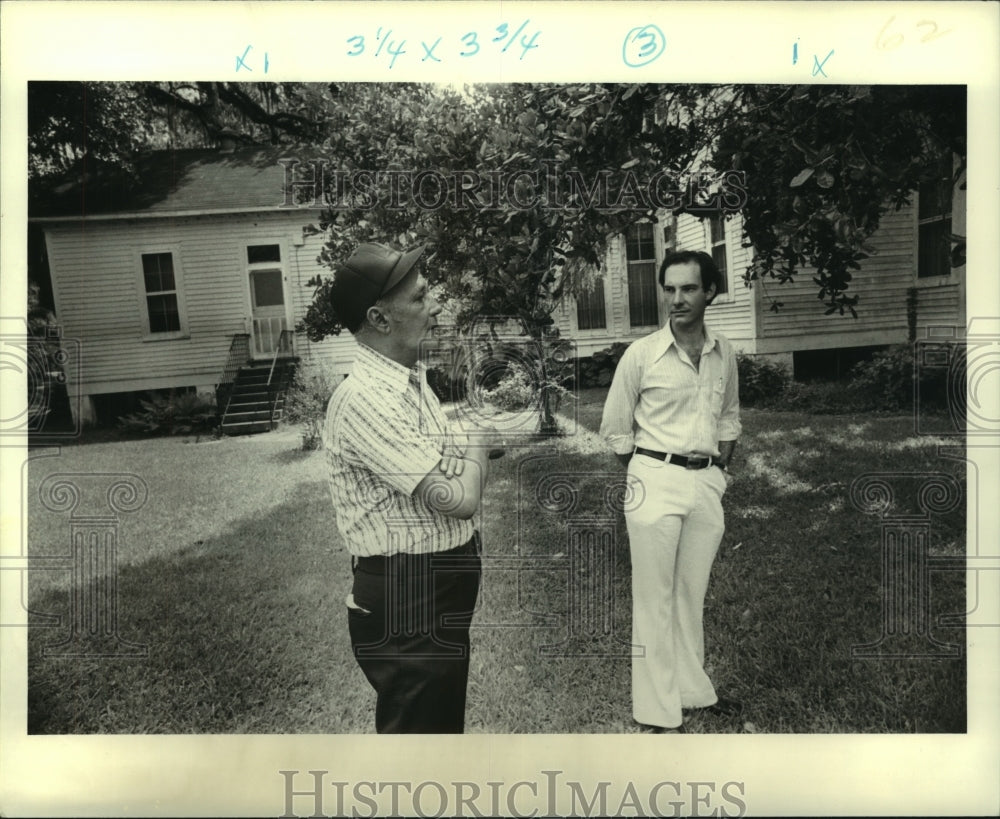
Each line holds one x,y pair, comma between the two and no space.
284,340
239,355
285,344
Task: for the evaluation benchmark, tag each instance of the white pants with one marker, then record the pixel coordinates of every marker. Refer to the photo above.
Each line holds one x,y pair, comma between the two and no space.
674,532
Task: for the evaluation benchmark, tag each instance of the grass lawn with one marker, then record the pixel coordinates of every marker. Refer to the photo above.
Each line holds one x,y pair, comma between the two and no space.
233,575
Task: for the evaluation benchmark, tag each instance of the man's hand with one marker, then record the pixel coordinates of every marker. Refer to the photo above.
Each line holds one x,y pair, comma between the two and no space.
452,462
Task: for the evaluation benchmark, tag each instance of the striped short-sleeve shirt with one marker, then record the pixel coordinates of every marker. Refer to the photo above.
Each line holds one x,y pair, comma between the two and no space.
384,432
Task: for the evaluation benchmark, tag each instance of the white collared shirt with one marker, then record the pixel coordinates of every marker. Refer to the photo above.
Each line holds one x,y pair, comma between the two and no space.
659,401
384,433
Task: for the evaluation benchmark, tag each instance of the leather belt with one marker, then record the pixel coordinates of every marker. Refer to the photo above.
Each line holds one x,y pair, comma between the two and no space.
680,460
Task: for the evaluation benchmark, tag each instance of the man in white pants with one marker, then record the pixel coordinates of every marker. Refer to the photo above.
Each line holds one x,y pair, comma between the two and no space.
672,417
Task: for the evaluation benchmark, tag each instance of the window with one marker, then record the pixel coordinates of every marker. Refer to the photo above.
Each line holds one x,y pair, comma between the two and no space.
934,224
717,238
640,255
162,305
590,312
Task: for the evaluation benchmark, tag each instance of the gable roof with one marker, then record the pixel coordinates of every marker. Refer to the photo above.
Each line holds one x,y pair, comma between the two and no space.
174,183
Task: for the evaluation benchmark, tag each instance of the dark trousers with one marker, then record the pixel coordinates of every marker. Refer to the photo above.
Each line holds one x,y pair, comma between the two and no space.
412,639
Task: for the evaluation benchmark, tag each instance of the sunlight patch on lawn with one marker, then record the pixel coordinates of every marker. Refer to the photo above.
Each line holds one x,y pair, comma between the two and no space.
583,441
762,466
918,442
779,435
754,512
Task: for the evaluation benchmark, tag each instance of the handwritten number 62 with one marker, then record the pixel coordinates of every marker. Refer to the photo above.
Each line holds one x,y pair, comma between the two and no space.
888,43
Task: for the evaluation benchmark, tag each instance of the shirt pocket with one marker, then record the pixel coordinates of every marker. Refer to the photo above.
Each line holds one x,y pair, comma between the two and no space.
716,394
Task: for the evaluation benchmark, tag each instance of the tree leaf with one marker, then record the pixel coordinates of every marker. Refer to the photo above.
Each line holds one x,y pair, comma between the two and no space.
801,177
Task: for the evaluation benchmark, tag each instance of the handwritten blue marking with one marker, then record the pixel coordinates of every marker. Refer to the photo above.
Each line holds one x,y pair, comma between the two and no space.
530,44
429,52
266,63
359,45
378,36
653,44
503,34
818,66
241,61
470,43
795,53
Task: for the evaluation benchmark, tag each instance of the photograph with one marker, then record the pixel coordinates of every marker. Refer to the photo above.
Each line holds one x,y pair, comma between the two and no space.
556,409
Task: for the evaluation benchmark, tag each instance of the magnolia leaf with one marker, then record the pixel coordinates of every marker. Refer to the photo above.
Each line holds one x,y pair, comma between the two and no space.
801,177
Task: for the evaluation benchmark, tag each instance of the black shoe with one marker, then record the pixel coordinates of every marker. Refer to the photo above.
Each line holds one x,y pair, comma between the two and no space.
724,707
660,729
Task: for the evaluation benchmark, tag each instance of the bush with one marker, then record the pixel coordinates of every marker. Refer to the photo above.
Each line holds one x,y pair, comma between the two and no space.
514,392
886,382
598,369
762,382
171,414
305,403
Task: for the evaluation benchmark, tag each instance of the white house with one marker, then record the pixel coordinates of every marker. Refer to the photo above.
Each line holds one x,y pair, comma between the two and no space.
909,280
202,265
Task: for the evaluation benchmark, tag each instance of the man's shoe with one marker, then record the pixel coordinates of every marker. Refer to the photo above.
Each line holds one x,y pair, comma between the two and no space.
660,729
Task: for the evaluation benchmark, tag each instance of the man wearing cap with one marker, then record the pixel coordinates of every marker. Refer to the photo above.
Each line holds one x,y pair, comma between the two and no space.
672,417
404,488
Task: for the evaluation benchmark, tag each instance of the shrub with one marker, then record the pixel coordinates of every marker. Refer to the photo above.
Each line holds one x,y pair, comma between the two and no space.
514,392
887,381
171,414
761,381
598,369
305,403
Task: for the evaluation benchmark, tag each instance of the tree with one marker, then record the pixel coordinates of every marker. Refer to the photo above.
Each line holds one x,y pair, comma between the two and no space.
517,189
825,163
106,124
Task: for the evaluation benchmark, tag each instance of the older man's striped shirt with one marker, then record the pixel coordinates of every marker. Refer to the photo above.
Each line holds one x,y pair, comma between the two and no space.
384,432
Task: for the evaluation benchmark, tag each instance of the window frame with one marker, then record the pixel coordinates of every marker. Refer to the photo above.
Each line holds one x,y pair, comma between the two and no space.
656,259
726,295
600,286
946,216
143,295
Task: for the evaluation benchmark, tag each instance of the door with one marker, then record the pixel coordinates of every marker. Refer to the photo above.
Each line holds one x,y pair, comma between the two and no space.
267,299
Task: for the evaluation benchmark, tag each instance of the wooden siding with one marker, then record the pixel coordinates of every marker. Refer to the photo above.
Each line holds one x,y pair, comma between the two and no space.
98,292
882,285
731,314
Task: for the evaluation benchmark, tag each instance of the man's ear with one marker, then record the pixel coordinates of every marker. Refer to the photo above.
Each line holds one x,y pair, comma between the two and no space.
377,318
710,292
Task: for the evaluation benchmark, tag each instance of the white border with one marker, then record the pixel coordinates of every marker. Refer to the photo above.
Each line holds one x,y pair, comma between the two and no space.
714,41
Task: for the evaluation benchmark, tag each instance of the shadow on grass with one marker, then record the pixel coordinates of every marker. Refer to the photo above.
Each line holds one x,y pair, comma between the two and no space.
246,630
241,631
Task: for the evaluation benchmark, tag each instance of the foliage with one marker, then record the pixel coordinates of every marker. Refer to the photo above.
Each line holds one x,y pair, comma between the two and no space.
514,392
171,414
108,123
889,380
598,369
761,381
824,163
305,403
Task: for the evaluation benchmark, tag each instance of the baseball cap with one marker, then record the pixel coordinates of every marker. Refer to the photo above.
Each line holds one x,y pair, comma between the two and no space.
371,271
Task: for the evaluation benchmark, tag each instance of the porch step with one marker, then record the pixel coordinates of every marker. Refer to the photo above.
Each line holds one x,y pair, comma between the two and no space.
255,406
